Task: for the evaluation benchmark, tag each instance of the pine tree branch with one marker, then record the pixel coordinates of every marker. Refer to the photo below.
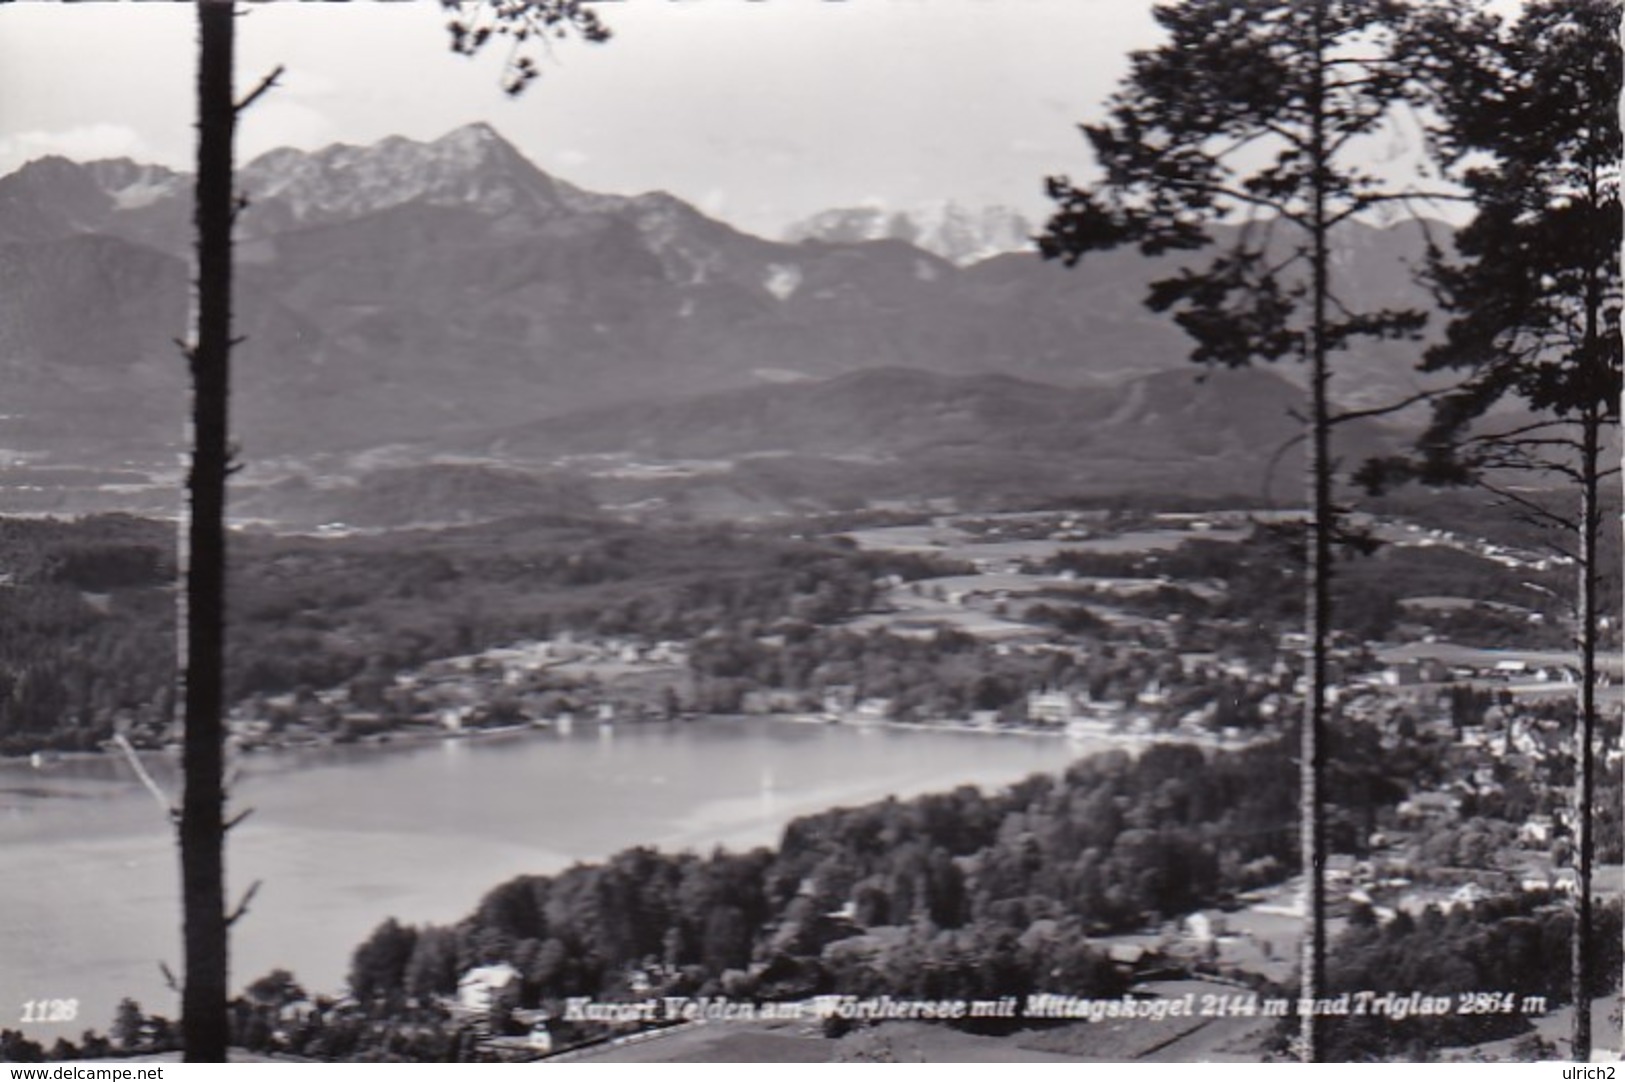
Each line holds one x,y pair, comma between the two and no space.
264,85
1224,190
1367,202
1520,454
1529,443
1562,550
1298,255
1383,411
1275,460
1286,135
1336,301
1357,123
1545,515
1239,144
1534,466
241,908
1513,434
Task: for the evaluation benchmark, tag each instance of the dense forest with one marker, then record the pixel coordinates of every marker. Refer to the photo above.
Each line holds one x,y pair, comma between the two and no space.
936,896
87,628
1512,944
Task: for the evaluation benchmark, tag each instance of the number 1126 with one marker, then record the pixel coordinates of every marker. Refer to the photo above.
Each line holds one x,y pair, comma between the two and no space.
50,1010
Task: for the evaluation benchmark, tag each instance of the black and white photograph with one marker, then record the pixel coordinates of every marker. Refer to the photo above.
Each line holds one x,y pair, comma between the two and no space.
811,531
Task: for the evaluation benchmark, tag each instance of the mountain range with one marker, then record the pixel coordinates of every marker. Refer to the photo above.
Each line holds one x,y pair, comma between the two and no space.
450,295
959,234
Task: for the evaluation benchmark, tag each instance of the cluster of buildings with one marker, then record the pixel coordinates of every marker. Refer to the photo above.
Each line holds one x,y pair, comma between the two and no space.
528,683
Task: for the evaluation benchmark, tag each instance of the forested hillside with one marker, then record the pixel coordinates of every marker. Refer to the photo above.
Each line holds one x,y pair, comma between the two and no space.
87,628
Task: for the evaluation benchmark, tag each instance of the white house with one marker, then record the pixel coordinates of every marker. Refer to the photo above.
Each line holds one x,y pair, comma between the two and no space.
478,988
1205,927
1536,832
1050,707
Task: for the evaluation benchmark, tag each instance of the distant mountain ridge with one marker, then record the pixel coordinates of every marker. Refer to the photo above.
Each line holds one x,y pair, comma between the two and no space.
959,234
1221,432
416,292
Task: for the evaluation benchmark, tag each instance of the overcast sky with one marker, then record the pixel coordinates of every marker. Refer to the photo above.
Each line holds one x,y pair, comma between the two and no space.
759,113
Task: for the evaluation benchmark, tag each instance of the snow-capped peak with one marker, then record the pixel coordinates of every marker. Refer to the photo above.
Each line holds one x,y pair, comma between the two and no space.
471,165
959,234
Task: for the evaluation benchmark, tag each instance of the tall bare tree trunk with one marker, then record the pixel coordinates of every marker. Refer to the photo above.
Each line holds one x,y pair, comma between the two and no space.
1311,764
1591,420
1584,732
1592,415
202,827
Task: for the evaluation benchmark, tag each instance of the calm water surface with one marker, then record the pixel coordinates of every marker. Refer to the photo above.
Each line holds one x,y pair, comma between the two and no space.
344,837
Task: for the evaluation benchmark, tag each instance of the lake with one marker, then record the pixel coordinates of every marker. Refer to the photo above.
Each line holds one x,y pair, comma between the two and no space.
344,837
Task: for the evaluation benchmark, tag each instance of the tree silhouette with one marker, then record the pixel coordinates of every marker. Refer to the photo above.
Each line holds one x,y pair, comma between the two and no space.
129,1023
1245,133
1531,130
202,819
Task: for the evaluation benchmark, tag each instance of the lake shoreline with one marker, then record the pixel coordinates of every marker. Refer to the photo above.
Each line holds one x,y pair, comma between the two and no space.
419,737
344,837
